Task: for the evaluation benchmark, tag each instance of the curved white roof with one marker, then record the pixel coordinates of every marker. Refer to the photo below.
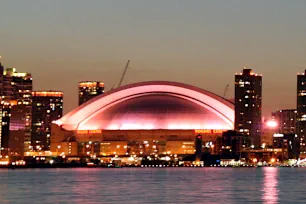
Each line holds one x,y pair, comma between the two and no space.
122,109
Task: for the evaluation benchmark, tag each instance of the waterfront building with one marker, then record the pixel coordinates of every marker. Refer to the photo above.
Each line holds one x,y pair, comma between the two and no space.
146,119
47,107
233,144
301,110
89,90
288,144
248,103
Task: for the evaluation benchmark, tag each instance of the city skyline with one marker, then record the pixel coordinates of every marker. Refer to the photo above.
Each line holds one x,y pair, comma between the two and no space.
184,42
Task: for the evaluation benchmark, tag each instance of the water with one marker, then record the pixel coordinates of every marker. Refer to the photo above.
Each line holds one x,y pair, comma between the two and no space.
153,185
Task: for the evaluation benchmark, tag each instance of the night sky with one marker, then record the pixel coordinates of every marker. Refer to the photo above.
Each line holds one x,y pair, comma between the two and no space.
199,42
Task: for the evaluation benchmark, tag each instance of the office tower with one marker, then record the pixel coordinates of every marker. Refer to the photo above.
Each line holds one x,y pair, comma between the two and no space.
301,110
286,120
17,86
248,97
47,106
15,89
89,90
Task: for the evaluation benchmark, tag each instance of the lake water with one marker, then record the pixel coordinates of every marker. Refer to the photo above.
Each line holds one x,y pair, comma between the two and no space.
153,185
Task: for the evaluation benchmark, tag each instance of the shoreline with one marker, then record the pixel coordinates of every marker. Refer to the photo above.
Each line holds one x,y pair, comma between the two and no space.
133,166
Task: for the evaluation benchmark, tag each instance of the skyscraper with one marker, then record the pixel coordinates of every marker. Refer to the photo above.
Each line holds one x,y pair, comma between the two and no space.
89,90
286,120
15,89
248,97
301,110
47,107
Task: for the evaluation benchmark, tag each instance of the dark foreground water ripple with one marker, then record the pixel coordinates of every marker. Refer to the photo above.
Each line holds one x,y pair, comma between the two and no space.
154,185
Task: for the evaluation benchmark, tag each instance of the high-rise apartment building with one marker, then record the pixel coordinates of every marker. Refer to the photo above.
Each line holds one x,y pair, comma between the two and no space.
286,120
301,110
47,107
248,100
89,90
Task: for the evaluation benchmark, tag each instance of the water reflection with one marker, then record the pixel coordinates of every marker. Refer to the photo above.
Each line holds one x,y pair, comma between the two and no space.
270,185
153,185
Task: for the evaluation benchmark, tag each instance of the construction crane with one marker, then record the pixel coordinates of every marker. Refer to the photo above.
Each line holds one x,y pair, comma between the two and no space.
124,72
225,91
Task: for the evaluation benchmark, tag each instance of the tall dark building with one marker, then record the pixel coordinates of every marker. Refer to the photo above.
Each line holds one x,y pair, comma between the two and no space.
47,107
5,126
301,110
286,120
89,90
15,89
1,78
248,97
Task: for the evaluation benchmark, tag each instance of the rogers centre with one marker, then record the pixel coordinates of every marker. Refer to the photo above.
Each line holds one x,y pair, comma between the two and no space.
145,118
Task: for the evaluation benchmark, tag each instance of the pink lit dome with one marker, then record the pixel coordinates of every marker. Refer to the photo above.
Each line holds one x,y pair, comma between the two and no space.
152,105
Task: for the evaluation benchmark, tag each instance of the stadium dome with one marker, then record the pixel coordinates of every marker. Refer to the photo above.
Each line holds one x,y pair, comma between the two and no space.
152,105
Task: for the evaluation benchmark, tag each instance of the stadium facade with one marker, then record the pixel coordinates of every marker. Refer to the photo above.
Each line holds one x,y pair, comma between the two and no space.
145,118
